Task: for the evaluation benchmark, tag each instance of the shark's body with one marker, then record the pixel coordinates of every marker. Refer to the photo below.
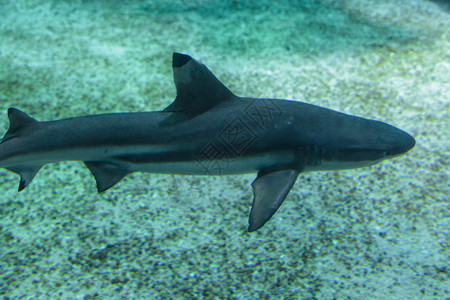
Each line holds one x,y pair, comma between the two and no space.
206,131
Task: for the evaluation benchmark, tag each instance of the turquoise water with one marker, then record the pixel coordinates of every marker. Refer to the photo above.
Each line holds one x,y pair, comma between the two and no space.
374,233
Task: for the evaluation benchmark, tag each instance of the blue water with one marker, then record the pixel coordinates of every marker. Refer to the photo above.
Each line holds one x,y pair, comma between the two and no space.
373,233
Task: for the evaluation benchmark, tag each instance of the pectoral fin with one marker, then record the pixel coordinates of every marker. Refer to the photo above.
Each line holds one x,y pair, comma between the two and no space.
106,174
270,188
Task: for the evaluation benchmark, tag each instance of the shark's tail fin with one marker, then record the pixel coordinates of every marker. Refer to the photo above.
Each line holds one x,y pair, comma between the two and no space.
18,123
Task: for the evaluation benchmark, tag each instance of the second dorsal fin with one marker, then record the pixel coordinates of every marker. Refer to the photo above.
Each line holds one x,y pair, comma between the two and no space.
198,89
18,121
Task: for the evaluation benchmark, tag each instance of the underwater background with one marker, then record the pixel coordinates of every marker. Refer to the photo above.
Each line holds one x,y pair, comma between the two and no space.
380,232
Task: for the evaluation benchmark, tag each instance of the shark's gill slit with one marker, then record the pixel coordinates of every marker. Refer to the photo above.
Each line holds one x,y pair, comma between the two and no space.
207,130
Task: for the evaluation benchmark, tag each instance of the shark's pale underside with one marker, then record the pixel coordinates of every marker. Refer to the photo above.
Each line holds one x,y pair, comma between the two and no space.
207,130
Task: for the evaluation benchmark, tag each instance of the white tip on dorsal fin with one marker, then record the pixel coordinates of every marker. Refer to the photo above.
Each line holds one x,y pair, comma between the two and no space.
198,89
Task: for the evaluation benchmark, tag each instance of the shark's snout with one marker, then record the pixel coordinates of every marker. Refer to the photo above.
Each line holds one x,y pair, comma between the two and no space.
402,144
206,130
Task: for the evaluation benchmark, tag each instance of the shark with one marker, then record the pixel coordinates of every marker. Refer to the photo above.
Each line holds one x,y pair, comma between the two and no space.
207,130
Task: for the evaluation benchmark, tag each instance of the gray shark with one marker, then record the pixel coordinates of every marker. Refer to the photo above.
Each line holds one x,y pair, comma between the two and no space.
207,130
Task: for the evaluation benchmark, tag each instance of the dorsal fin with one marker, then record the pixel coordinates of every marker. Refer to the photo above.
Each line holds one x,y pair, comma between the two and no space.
198,90
18,120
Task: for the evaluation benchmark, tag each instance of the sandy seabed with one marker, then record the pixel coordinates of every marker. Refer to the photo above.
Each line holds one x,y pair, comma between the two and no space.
374,233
